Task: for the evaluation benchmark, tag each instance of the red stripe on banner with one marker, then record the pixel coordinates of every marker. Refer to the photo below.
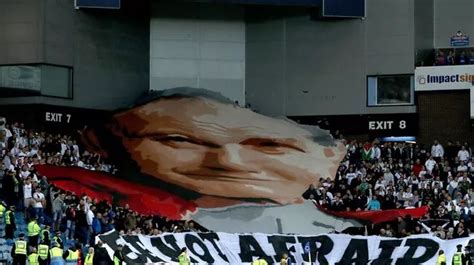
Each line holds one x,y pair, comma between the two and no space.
150,200
99,185
376,217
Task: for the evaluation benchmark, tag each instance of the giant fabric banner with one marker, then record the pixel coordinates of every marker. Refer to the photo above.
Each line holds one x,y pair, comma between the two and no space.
148,200
192,153
224,248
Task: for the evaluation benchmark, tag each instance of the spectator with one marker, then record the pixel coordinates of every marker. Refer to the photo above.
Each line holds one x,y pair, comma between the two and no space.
71,221
437,151
462,167
90,216
430,164
58,208
27,196
39,203
440,58
463,58
450,58
463,154
471,57
374,204
417,167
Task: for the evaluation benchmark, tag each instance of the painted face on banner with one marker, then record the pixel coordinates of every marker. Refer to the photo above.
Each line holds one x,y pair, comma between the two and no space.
221,150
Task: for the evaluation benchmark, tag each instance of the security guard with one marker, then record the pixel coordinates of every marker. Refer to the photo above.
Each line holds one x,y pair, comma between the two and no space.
89,257
43,250
441,258
118,256
45,235
33,257
19,251
457,257
10,224
56,255
3,209
183,258
467,256
72,255
33,232
260,261
101,257
57,239
285,260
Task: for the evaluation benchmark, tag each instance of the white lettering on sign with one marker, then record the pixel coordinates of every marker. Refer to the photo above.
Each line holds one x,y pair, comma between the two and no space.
380,125
57,117
386,125
402,124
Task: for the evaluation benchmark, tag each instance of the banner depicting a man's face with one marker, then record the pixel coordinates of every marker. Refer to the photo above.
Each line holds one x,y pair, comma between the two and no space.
220,150
189,153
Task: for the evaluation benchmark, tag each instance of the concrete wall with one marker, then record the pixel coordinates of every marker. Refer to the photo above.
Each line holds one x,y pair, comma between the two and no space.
451,16
198,45
424,24
298,66
107,49
21,31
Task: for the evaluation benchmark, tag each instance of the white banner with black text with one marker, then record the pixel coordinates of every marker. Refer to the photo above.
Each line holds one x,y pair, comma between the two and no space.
224,248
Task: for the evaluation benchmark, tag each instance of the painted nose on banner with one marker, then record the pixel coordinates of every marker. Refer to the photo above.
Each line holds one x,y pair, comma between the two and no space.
229,157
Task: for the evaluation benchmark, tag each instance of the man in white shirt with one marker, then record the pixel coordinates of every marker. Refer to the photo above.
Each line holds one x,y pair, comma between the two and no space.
462,167
75,148
24,173
388,176
429,164
437,150
27,194
463,154
470,165
452,185
8,135
38,205
350,175
377,153
64,146
89,219
15,151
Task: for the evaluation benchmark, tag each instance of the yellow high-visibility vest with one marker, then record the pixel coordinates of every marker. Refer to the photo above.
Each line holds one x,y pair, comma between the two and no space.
58,240
183,259
2,210
441,258
20,247
117,261
42,234
260,262
89,259
43,251
56,252
7,218
72,257
457,258
33,259
33,229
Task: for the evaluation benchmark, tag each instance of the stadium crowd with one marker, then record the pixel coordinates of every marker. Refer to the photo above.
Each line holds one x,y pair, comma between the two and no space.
453,57
373,176
77,216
